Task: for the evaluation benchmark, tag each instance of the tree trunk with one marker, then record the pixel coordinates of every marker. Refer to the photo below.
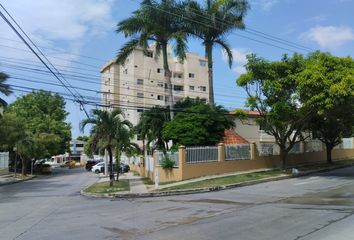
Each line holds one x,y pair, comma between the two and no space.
329,149
209,56
118,165
111,175
168,76
24,166
283,155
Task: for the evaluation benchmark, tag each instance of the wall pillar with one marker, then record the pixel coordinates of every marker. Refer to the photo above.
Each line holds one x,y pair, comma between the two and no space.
221,152
253,149
181,159
302,146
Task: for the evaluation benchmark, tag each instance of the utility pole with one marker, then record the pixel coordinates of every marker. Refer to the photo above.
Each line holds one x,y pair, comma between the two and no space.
15,170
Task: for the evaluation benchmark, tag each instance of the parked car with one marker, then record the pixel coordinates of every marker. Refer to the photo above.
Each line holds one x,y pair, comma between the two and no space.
90,164
98,168
124,168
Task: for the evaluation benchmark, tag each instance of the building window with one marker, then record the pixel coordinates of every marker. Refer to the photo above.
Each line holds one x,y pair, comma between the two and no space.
191,88
140,110
177,99
159,70
177,87
139,137
167,99
202,63
149,54
160,84
159,97
136,66
140,95
140,81
191,75
202,88
125,71
177,75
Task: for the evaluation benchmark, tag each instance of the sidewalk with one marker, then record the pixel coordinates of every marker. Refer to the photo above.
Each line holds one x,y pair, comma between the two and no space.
6,179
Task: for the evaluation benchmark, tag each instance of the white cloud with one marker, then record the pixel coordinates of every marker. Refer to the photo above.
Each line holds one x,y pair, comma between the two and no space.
318,18
58,23
265,5
330,37
239,56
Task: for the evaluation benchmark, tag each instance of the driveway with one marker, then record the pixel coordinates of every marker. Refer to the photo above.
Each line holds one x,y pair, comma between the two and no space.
312,207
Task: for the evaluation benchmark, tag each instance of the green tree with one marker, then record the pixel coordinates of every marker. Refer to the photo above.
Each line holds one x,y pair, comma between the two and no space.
158,22
83,138
105,131
327,85
272,91
151,125
199,124
4,88
211,22
43,116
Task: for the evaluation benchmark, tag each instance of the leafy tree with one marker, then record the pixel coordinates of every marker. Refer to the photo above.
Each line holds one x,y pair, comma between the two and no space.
106,127
4,88
327,85
199,124
272,91
211,22
151,125
43,116
158,22
83,138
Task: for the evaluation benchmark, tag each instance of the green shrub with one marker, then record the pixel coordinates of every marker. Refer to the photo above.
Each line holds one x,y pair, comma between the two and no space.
167,163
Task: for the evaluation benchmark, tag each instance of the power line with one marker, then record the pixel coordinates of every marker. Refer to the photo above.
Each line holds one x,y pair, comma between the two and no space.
34,52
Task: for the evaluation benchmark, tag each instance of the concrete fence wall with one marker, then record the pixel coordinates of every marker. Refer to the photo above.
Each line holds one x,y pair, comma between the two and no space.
193,170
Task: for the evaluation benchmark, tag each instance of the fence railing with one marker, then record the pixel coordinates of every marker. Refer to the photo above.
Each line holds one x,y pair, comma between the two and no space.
4,160
237,152
313,146
201,154
174,156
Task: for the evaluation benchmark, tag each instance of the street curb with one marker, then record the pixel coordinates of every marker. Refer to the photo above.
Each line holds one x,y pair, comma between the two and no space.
17,181
205,190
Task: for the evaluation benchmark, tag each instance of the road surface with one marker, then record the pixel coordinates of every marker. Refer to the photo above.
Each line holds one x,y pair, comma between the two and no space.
318,207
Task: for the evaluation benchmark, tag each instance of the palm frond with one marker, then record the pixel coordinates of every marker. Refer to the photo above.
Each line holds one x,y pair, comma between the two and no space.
126,50
226,47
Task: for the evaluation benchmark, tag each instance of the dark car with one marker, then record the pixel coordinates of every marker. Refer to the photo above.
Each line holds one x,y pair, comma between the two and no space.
124,168
90,164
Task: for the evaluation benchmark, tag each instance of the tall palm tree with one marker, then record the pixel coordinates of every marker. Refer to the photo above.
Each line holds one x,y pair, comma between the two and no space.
4,88
151,125
106,128
211,23
158,22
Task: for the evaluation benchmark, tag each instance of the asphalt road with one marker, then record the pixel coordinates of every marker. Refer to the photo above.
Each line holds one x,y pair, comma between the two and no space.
317,207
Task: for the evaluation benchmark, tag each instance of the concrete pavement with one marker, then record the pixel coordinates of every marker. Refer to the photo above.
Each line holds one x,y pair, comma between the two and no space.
313,207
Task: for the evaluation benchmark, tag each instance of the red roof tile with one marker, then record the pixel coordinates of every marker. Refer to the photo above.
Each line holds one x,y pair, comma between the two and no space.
231,137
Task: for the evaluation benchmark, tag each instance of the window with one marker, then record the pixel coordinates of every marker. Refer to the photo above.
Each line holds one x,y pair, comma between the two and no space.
203,88
177,75
136,66
125,71
266,149
159,97
140,110
160,84
140,81
79,145
202,63
140,95
191,88
159,70
191,75
139,137
167,99
149,54
177,87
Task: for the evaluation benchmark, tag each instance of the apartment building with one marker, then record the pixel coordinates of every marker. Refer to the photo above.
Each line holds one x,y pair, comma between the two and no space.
140,83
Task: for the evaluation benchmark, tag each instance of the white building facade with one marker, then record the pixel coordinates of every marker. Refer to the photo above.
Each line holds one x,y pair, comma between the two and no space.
140,83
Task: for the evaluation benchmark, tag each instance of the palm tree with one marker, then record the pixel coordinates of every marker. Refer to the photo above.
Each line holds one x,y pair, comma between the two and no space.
105,130
150,127
211,22
157,22
4,88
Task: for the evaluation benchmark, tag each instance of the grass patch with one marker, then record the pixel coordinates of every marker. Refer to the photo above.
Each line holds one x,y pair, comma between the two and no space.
147,181
103,187
228,180
135,173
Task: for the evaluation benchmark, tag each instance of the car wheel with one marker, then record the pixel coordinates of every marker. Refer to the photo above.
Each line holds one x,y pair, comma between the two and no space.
97,171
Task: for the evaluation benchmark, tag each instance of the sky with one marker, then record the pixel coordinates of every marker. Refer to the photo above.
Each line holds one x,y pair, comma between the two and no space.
78,37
